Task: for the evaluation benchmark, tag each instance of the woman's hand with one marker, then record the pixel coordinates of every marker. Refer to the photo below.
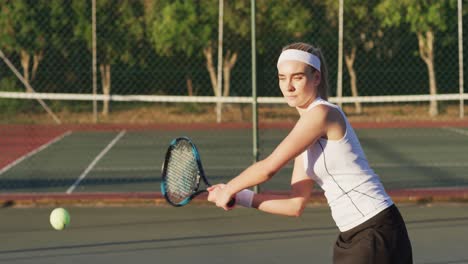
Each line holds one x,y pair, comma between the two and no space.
218,194
213,192
223,198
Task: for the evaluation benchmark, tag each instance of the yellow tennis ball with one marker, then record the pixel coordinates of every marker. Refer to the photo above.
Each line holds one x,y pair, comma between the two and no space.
59,218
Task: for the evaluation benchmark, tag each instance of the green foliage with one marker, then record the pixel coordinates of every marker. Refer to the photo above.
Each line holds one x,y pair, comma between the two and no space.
130,31
360,24
10,106
120,28
177,26
21,27
61,23
82,29
31,26
420,15
189,26
237,18
287,20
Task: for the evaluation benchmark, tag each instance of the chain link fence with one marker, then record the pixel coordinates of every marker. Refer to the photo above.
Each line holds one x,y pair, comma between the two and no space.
171,47
159,61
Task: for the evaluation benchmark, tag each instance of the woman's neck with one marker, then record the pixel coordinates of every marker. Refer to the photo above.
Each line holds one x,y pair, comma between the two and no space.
302,109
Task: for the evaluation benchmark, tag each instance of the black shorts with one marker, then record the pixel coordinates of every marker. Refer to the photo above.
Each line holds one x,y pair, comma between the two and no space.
381,239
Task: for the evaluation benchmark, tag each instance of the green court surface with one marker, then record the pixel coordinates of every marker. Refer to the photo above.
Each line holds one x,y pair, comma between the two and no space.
204,234
130,161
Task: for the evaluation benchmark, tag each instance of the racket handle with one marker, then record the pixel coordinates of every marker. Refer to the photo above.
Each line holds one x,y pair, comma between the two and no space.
231,203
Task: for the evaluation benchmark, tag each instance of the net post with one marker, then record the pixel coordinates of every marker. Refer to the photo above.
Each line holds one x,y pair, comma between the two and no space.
460,58
254,90
220,61
94,60
339,83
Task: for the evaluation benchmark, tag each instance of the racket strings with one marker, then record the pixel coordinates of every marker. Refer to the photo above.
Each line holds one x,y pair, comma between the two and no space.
182,174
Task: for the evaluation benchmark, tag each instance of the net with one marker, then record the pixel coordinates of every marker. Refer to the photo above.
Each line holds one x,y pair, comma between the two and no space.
69,106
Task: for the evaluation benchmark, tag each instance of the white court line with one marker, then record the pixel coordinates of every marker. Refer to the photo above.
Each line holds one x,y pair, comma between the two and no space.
33,152
148,168
95,161
240,168
426,164
457,130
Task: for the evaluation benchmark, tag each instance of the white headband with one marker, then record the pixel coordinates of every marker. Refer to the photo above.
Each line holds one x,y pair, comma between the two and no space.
299,55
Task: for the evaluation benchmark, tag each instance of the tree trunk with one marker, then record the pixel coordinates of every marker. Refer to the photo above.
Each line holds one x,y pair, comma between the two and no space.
349,59
189,86
37,58
229,62
106,86
208,52
426,51
25,59
25,63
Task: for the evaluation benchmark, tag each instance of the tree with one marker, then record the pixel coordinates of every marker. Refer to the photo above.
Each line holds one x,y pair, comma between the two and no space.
187,27
27,28
191,27
120,29
359,33
425,19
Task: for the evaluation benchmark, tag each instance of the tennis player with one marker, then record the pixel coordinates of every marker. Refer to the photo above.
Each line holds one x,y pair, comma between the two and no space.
325,150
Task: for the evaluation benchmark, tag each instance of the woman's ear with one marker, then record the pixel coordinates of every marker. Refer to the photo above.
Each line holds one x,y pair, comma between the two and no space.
317,78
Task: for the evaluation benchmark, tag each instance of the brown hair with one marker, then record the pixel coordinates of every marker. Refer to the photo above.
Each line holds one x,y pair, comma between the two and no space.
323,86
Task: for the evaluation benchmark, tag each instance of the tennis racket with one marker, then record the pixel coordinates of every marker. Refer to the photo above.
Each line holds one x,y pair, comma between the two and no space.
182,173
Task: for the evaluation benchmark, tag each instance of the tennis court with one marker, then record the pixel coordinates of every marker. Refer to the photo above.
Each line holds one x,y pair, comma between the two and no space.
204,234
119,160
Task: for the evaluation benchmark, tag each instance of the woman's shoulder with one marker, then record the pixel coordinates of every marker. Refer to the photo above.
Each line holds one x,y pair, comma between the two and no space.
325,112
322,109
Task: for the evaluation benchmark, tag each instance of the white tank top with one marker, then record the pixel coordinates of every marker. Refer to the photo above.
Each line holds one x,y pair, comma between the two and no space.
353,191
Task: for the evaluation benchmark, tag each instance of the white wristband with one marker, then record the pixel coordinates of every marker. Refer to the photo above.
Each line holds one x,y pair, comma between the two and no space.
244,198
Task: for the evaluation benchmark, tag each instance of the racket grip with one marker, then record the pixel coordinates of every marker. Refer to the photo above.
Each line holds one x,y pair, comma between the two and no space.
231,203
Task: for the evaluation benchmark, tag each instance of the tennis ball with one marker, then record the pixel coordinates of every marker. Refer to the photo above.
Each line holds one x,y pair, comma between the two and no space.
59,218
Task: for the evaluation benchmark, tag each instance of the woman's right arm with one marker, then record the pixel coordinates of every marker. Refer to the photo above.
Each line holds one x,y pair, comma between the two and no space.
291,204
308,129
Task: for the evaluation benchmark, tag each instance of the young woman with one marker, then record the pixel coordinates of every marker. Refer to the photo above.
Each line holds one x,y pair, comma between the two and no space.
325,150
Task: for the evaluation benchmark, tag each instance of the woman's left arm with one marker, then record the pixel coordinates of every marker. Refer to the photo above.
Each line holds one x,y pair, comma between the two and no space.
293,203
